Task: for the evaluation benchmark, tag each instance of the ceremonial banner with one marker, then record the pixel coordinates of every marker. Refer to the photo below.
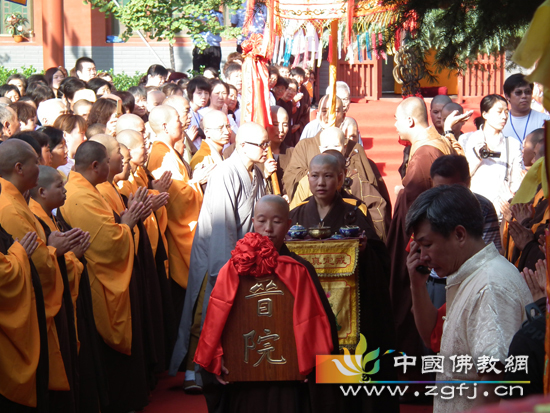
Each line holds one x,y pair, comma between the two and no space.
336,264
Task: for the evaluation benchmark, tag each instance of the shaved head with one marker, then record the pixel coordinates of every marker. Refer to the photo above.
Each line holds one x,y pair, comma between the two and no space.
325,159
130,138
161,115
12,152
275,202
450,107
339,156
332,138
175,100
130,121
248,130
87,153
214,118
46,177
440,100
415,108
107,141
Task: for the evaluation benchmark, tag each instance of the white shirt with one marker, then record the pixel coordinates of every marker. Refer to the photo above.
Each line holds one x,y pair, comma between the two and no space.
495,178
486,301
517,126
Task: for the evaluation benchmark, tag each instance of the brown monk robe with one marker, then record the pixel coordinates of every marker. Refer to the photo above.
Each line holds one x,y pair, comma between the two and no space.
110,264
19,170
23,335
128,183
144,262
326,206
427,145
271,219
366,182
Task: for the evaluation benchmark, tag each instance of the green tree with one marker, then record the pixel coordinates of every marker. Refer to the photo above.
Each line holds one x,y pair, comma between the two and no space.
461,29
165,19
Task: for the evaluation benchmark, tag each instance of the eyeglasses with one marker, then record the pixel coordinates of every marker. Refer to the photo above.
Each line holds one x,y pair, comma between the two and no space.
521,92
264,145
219,128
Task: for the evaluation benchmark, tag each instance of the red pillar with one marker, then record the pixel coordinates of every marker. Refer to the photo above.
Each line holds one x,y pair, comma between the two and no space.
52,34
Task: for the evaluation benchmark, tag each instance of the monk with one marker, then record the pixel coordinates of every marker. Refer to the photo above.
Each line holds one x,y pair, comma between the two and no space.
327,207
110,265
19,170
185,147
233,189
126,171
185,194
217,130
427,145
366,183
281,152
24,355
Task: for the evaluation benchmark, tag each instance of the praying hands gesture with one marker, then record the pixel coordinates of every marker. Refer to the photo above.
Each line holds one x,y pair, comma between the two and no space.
536,281
158,201
141,197
139,206
201,175
29,242
522,212
163,183
64,242
83,246
521,235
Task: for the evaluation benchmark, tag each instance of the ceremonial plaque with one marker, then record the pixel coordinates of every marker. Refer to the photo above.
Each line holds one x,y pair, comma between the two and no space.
258,339
336,263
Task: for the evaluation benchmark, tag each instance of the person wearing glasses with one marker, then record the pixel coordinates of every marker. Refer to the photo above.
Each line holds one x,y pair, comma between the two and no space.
233,189
522,120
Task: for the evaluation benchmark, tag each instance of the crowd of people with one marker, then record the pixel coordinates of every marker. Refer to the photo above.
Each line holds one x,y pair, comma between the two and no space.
120,209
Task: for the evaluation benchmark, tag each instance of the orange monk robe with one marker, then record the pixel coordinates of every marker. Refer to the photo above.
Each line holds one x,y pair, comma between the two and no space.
19,333
17,219
152,223
110,260
183,208
73,264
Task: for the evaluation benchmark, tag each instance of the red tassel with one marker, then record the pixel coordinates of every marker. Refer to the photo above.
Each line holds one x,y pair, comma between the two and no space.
330,49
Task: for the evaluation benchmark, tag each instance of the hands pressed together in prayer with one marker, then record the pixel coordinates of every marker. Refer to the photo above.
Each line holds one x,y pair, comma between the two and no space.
201,175
139,207
517,215
163,183
29,242
75,240
536,280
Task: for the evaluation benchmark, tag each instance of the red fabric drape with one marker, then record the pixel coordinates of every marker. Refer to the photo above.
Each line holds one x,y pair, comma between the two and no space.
311,325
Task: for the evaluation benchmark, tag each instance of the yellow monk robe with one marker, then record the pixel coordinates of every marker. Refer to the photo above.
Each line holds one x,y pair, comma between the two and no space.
19,333
73,264
153,222
17,219
183,208
110,260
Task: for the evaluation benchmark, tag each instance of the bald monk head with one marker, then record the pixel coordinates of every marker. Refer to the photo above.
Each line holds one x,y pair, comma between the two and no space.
436,108
19,164
50,190
411,118
271,219
181,104
113,152
447,110
217,128
325,178
534,142
137,146
351,129
92,162
126,158
251,144
154,99
325,104
132,122
165,122
281,124
332,138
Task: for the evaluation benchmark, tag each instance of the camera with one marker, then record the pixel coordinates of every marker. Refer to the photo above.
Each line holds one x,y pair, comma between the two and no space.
485,152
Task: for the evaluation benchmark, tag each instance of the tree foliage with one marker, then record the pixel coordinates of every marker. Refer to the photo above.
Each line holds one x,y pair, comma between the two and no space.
164,19
461,29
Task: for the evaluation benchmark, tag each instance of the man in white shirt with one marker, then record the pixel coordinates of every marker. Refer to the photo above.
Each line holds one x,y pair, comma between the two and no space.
522,120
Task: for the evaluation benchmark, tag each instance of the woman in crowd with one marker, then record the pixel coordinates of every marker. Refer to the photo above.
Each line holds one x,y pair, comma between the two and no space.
218,97
54,77
58,146
99,86
495,160
156,76
104,112
19,81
